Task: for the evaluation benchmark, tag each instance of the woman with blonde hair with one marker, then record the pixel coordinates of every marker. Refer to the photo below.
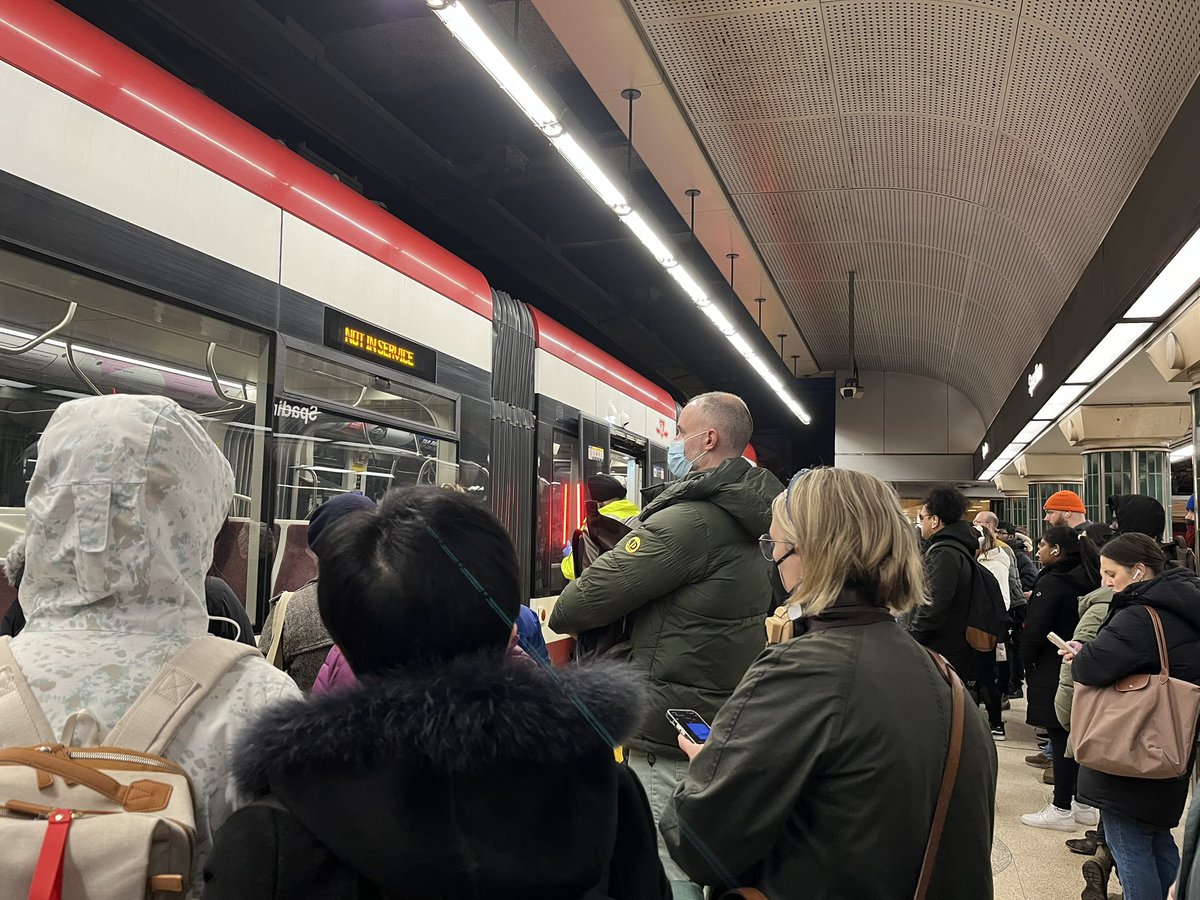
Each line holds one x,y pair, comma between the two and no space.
821,774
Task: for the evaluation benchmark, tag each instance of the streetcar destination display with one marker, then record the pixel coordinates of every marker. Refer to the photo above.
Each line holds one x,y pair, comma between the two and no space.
350,335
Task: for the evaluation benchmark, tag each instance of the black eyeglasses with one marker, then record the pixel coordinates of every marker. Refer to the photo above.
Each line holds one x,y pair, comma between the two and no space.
766,546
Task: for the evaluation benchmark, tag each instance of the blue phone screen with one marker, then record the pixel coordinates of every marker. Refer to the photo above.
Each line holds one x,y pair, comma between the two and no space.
698,730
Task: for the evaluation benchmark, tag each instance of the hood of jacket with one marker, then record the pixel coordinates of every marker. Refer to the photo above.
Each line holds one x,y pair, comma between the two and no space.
1138,514
961,532
1176,590
742,490
619,509
125,501
442,755
1100,595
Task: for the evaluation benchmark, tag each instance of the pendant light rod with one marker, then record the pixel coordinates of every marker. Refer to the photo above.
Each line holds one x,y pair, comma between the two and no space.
853,359
760,301
630,94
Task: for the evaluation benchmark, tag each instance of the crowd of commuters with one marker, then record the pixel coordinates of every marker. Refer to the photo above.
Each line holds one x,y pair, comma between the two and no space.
406,734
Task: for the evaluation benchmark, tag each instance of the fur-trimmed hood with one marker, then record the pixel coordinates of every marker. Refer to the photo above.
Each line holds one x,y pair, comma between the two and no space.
483,778
465,716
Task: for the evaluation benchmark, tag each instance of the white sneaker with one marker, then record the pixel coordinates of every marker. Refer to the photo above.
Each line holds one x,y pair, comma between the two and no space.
1084,814
1051,817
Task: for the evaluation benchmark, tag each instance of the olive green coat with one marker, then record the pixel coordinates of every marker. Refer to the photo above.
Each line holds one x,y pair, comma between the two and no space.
821,775
1093,610
695,585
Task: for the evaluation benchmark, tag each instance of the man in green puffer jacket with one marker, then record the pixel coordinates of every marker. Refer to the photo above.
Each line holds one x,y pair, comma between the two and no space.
694,583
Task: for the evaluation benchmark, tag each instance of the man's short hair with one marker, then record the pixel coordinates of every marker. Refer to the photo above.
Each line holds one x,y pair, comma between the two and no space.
1006,527
427,575
990,518
729,415
947,503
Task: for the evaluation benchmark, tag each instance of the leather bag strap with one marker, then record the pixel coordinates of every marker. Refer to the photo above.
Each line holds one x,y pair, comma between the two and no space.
949,773
1163,660
140,796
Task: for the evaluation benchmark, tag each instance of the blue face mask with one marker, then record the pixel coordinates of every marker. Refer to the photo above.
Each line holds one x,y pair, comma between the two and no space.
677,460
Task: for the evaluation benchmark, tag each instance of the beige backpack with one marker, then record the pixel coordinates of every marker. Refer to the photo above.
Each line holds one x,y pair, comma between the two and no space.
114,822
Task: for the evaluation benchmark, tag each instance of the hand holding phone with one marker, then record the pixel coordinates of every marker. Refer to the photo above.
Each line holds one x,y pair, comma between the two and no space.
689,723
1058,642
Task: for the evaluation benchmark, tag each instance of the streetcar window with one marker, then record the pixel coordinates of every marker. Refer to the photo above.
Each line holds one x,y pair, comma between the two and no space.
118,341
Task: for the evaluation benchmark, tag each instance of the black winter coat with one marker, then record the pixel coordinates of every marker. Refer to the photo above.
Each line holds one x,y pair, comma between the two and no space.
479,779
1054,606
1126,645
942,625
1025,566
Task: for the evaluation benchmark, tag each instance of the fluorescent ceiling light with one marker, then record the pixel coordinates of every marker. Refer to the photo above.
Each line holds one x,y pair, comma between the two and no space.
1182,453
689,285
1060,400
1114,346
1171,284
1012,450
590,172
461,24
4,382
743,347
717,317
644,233
1029,432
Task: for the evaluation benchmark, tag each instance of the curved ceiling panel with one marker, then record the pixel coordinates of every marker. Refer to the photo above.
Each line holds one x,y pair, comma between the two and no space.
965,157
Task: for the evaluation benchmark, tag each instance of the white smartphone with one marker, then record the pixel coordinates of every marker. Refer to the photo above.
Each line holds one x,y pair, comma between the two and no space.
689,723
1058,642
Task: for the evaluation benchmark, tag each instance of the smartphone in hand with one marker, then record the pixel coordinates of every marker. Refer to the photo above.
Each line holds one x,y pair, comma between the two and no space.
1059,642
689,723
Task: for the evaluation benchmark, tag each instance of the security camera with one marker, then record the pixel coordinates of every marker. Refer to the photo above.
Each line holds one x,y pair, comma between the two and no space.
851,390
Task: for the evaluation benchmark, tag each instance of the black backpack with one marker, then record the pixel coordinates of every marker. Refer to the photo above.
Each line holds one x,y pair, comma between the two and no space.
987,618
600,534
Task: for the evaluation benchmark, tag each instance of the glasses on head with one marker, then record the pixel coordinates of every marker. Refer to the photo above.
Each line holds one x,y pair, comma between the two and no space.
766,546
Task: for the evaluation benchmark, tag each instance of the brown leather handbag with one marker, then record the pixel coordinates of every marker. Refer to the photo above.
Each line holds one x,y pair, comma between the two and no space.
1143,726
949,774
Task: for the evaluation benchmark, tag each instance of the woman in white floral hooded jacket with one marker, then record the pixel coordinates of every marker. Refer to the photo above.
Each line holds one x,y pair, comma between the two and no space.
122,510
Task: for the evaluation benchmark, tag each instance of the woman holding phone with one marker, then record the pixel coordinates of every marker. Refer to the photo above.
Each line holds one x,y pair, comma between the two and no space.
1054,608
799,791
1139,813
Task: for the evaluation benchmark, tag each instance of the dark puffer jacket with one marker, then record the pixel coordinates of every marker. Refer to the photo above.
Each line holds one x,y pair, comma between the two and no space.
1126,645
942,625
695,584
802,792
1054,606
480,779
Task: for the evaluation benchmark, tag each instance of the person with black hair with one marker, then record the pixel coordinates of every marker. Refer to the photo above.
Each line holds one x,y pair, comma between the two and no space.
609,496
949,570
440,771
1054,606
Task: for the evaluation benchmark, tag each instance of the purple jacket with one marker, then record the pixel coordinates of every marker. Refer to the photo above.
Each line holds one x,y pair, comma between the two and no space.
335,674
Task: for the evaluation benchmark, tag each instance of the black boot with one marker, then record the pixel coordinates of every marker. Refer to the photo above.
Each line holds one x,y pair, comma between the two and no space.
1095,872
1084,845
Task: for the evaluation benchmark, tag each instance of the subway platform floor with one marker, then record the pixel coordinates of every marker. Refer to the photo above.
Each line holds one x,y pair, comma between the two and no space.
1032,863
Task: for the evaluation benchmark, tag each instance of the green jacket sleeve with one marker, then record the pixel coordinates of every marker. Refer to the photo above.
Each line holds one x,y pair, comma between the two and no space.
1088,627
739,792
662,555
